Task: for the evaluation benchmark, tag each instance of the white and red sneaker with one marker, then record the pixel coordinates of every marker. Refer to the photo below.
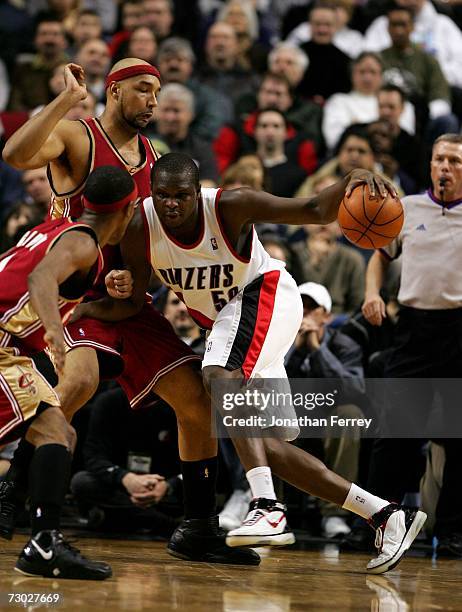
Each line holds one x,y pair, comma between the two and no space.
264,525
396,529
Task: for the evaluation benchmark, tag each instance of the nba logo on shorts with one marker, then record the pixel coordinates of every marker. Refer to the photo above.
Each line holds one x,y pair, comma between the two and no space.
214,244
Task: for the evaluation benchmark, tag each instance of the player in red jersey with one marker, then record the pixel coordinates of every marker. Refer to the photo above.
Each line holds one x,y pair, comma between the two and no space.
152,357
42,278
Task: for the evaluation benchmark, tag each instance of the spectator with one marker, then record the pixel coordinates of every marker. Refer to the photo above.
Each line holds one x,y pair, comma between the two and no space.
347,40
158,15
360,104
275,247
175,113
19,218
16,31
322,352
131,16
175,60
175,311
289,63
131,461
433,32
322,259
87,27
95,60
31,73
270,134
142,44
318,83
288,60
383,144
69,9
243,18
37,188
427,341
221,69
248,171
235,140
354,150
406,148
418,74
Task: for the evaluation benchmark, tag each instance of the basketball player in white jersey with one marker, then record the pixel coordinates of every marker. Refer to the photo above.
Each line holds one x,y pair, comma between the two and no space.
201,243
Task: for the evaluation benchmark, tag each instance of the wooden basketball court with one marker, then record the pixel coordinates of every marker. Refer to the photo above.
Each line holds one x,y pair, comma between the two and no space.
146,578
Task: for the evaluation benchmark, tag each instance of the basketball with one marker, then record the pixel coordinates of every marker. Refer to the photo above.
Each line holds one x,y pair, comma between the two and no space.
368,222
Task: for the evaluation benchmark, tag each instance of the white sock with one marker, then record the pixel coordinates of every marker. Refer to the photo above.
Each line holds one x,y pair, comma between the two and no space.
261,482
363,503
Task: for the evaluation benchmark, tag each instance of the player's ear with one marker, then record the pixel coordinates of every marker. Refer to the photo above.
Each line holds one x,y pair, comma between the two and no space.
114,89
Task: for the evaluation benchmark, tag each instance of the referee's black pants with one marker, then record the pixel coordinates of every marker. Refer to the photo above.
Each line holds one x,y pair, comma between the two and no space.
427,344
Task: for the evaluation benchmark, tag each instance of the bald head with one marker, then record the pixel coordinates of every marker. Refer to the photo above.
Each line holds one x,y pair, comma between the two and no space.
128,62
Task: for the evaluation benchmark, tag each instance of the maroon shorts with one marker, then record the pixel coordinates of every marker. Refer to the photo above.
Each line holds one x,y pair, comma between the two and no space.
137,351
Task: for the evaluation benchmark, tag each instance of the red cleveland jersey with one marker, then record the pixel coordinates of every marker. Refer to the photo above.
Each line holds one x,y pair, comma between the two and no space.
103,153
19,323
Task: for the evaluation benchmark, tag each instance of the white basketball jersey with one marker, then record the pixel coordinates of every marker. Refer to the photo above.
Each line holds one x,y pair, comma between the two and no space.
205,275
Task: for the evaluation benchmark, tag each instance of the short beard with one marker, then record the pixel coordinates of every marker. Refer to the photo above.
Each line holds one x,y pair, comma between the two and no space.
131,122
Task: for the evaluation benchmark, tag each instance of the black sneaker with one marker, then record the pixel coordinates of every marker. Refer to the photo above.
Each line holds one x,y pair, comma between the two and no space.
9,509
203,540
48,554
450,545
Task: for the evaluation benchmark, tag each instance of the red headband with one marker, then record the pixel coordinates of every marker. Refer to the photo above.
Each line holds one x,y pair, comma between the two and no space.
131,71
114,206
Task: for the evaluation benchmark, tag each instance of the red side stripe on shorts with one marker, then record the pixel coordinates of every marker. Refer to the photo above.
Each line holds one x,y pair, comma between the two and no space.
264,316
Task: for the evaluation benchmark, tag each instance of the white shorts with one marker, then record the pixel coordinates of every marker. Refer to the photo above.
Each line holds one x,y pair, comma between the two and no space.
255,330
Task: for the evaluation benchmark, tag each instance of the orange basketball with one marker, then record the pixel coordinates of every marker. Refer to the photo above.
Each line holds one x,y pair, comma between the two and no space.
370,223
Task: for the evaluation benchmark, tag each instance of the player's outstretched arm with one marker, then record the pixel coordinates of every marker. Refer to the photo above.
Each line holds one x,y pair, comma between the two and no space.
133,251
75,251
373,307
44,137
248,206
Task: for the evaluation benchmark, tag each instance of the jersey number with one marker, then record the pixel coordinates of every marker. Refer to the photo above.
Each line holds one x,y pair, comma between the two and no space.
30,240
219,299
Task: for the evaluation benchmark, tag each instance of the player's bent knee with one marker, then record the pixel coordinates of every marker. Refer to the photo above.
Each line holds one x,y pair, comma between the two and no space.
51,427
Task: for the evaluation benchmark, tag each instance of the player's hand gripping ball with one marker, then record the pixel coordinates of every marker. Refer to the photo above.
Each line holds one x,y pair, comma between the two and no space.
369,222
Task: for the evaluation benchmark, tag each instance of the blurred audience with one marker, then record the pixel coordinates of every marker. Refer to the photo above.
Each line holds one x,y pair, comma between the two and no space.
176,60
175,113
32,72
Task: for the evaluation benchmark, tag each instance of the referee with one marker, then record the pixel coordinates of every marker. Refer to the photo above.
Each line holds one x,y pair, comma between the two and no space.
428,338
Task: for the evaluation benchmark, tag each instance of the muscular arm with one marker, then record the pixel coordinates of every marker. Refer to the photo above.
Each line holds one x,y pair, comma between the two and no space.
74,251
133,248
45,136
244,206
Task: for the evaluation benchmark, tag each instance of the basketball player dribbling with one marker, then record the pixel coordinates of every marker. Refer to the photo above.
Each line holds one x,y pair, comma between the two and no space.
201,243
144,353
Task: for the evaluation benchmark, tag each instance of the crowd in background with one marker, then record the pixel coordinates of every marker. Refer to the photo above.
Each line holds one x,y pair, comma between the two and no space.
285,96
